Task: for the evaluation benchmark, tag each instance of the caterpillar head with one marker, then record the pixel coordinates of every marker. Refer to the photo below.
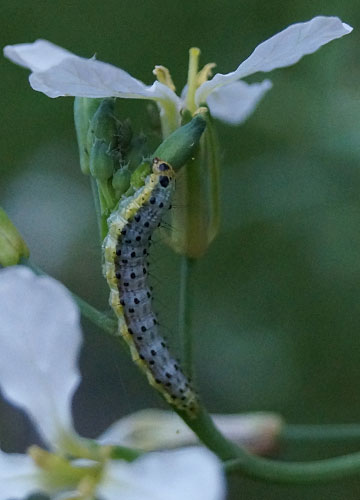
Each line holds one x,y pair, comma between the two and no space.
163,168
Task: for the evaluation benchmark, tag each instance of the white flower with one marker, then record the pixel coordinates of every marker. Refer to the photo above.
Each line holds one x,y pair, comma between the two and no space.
57,72
153,429
40,340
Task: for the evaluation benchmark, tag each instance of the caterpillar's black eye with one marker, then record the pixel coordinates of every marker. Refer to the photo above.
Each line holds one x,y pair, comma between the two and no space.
164,181
163,167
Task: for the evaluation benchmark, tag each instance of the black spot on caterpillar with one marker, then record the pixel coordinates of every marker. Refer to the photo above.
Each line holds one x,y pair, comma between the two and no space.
126,249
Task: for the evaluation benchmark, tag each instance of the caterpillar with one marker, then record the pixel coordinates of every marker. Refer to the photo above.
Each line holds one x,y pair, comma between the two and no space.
126,249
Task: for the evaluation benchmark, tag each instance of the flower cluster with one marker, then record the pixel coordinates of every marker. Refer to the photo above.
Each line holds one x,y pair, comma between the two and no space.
58,72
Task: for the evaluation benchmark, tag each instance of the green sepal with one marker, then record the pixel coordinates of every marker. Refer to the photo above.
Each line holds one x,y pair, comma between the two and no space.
12,245
181,145
84,109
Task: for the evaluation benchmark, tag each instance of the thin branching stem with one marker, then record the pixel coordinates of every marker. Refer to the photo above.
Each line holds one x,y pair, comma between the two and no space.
185,312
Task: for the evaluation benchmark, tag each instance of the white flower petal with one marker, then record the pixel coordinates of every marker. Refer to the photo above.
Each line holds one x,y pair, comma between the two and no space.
235,102
77,76
149,430
40,339
191,474
38,56
58,72
19,477
158,429
283,49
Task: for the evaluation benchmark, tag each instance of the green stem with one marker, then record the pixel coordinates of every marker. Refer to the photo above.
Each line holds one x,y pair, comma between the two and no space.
297,472
100,215
185,312
320,433
239,460
98,318
209,434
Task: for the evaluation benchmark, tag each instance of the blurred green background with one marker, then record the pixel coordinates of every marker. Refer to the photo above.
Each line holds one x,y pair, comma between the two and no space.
277,296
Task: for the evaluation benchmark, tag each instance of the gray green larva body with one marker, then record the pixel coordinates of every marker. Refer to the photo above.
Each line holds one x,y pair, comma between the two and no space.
126,269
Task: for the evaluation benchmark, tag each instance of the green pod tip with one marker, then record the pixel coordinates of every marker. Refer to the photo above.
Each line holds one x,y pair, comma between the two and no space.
180,146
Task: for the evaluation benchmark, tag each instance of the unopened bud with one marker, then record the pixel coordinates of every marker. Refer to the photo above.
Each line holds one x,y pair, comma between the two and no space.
104,125
84,109
101,161
181,145
121,181
12,245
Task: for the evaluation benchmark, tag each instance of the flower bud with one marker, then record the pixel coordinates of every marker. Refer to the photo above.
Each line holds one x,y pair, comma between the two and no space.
12,245
121,181
101,161
84,109
178,147
104,125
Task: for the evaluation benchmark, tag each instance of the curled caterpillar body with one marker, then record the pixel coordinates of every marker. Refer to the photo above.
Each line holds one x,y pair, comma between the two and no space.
126,249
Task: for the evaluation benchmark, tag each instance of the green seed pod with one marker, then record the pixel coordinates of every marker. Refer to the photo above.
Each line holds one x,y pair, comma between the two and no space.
12,245
139,175
104,125
121,181
180,146
84,109
101,161
195,222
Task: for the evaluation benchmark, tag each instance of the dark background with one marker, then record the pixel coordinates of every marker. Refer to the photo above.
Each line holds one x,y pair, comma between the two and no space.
277,295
